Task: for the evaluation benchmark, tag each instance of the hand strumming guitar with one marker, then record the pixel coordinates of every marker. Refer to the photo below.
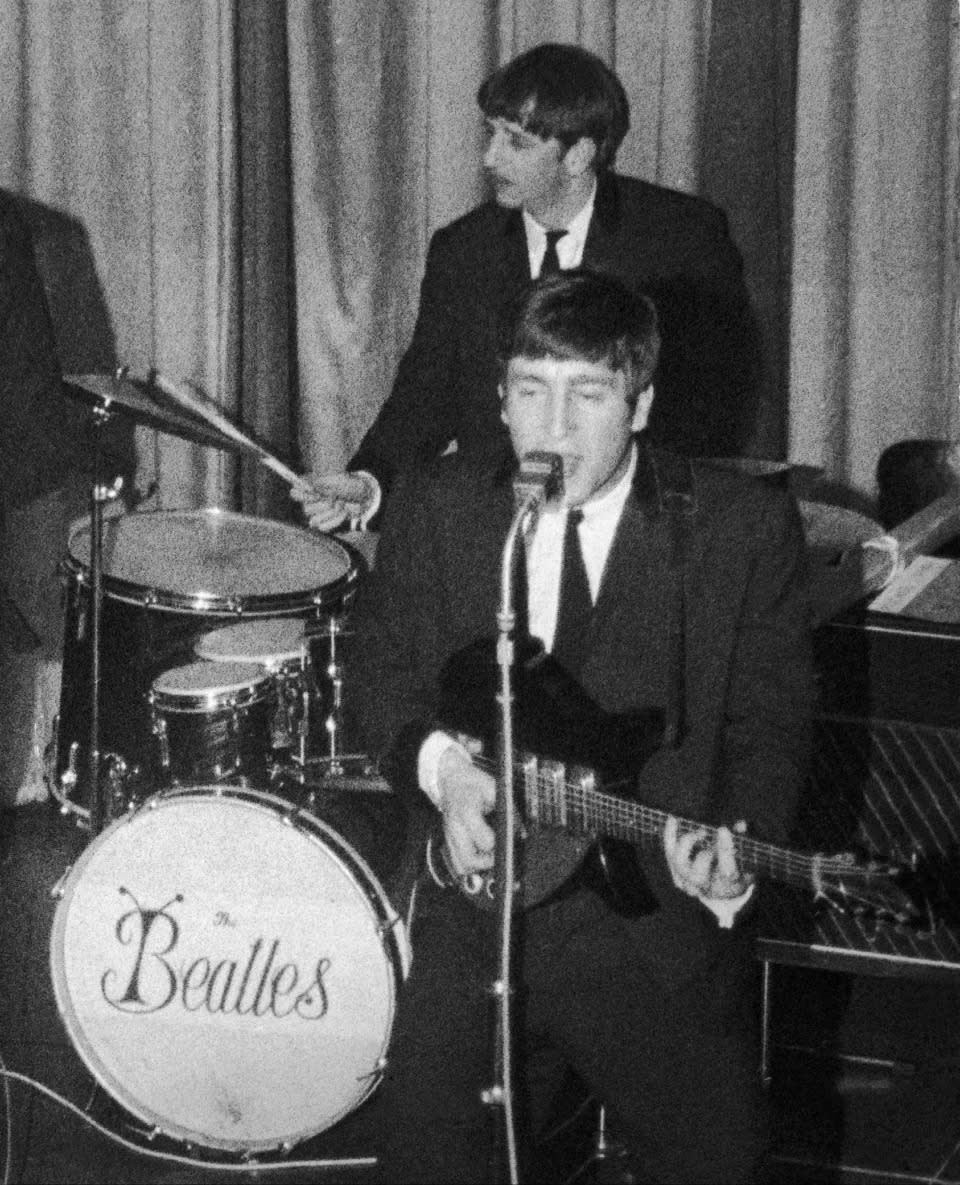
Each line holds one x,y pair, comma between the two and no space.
466,795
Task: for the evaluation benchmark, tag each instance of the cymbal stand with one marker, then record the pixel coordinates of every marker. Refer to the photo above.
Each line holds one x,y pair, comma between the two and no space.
99,494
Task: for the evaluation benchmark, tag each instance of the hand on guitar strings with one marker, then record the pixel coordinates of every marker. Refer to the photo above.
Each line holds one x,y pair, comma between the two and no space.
329,499
703,862
467,795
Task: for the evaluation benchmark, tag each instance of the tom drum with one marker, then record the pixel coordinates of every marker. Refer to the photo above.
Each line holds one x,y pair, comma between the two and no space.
169,577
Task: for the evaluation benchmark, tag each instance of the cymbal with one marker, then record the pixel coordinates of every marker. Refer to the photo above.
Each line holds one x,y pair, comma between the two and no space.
145,404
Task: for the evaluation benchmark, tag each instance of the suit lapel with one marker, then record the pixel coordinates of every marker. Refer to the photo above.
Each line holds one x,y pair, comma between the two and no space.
512,263
493,514
603,248
635,600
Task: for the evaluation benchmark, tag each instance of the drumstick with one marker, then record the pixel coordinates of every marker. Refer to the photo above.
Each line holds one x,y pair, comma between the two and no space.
203,406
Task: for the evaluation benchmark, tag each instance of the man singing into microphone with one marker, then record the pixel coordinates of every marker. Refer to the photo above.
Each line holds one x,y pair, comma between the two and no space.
691,611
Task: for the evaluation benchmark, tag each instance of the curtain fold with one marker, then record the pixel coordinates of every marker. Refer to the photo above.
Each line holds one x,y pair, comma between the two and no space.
874,273
267,401
358,135
387,145
119,127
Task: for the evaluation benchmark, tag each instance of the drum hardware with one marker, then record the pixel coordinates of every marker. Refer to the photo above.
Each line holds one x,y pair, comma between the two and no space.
280,646
353,772
212,720
337,758
161,563
334,721
168,578
124,786
99,806
108,391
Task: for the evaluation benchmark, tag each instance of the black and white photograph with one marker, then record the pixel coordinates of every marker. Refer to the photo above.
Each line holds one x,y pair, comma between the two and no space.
480,592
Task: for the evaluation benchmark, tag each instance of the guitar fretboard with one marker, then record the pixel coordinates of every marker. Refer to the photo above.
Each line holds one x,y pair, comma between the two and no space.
553,800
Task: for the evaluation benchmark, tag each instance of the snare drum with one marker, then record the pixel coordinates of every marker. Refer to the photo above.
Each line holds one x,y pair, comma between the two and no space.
212,720
227,967
168,577
280,646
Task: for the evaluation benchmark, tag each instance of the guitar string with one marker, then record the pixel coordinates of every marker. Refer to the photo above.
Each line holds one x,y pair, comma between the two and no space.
595,809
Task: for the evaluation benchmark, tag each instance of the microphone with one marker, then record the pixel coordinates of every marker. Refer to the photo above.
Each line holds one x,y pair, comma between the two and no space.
540,477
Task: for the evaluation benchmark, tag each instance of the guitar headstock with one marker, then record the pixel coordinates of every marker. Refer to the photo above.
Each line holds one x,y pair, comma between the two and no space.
880,890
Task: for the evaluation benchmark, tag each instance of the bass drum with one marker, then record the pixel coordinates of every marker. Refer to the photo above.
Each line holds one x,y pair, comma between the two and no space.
169,577
227,965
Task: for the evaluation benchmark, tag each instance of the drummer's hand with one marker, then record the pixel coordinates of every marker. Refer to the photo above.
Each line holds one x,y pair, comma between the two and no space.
330,498
467,794
705,866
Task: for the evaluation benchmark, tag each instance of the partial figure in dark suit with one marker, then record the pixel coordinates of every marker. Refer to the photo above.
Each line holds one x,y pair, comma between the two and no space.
33,441
555,118
52,316
695,627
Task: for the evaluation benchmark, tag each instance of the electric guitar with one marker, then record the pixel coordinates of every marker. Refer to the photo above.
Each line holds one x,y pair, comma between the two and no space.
566,810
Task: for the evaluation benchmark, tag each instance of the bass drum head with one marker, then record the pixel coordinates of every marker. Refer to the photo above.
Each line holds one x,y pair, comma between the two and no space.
208,561
227,969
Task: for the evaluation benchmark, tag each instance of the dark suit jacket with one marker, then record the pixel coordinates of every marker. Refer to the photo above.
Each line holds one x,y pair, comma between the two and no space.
747,669
33,451
672,246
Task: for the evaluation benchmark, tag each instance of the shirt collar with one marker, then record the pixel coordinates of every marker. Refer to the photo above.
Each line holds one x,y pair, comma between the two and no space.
612,501
609,504
578,225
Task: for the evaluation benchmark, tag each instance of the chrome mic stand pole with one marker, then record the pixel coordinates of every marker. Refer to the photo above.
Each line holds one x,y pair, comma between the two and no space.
540,475
500,1093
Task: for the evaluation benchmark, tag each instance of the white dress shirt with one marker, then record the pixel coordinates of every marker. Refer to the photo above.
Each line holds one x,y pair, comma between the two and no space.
569,248
545,552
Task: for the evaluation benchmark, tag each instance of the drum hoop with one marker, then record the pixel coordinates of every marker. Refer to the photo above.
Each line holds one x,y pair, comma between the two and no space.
290,660
337,593
390,930
209,702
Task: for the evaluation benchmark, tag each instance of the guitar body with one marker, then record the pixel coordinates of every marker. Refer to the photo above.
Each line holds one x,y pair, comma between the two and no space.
568,825
547,862
574,739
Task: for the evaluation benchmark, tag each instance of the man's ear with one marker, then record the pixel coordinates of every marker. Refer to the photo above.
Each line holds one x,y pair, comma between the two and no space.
580,157
501,391
642,411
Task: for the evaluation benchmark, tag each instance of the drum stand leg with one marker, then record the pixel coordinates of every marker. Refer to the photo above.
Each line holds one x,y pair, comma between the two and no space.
100,809
303,728
333,722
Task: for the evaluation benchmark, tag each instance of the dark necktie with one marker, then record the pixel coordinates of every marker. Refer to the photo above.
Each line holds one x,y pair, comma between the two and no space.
576,604
551,260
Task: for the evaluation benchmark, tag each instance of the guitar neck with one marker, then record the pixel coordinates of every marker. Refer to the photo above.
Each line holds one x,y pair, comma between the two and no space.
561,799
579,807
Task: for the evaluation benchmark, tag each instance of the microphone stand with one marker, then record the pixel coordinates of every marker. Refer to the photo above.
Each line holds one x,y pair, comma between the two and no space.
501,1093
541,473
